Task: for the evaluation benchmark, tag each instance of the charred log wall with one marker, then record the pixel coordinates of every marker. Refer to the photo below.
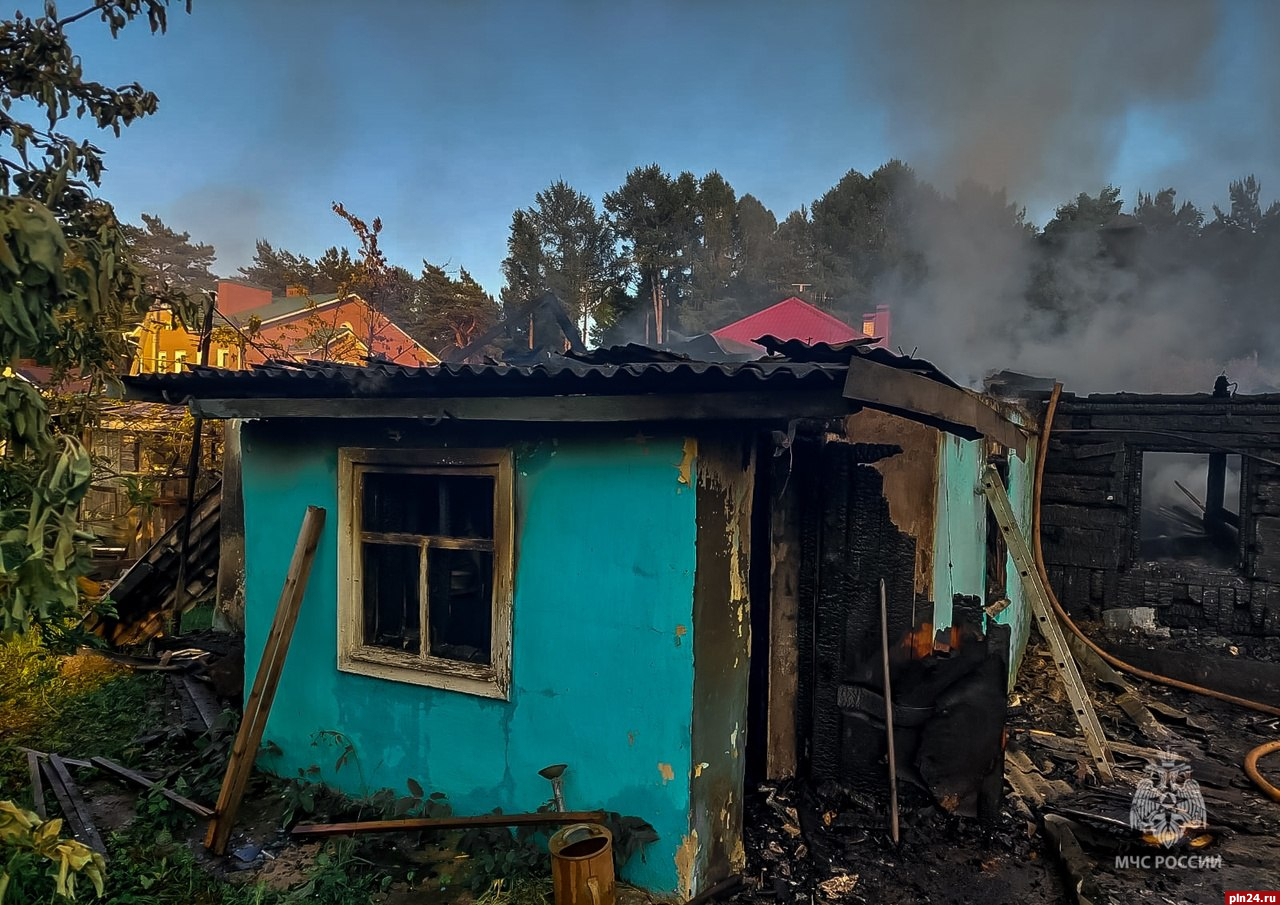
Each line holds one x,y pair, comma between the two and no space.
1091,509
848,543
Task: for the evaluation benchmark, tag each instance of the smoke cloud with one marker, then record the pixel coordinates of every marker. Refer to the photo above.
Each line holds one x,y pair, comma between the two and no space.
1032,96
1035,98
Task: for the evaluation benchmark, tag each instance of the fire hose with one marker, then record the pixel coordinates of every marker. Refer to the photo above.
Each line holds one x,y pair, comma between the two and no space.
1252,758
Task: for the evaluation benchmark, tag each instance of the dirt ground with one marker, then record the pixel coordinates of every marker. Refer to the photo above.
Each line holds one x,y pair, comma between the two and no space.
829,844
806,844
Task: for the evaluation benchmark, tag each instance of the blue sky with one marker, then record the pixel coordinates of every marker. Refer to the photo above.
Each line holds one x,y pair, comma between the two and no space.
443,117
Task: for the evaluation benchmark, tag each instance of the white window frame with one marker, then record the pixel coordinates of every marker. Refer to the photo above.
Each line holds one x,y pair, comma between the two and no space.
179,362
492,680
162,362
223,354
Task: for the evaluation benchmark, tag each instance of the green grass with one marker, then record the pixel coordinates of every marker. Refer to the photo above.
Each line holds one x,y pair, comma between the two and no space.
77,706
84,705
198,618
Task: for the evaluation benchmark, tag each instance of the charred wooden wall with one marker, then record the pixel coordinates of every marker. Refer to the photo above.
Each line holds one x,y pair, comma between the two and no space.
848,542
1091,509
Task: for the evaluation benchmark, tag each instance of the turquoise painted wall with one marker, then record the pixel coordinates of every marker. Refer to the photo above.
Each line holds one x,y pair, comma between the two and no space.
1022,477
960,534
602,660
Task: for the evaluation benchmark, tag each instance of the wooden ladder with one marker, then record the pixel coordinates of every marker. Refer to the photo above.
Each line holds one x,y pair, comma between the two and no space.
1047,622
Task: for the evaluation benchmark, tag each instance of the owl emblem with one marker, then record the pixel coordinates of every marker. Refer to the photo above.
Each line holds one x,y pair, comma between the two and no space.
1167,803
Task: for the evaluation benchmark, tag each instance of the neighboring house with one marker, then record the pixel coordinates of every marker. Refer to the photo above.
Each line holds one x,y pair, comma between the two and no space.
662,572
794,318
251,327
878,323
791,318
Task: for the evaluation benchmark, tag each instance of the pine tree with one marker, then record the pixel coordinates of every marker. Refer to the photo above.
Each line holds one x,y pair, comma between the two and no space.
655,219
169,259
280,270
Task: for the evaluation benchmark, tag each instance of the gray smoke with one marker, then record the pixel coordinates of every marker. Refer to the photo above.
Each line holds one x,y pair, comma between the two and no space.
1034,97
1030,95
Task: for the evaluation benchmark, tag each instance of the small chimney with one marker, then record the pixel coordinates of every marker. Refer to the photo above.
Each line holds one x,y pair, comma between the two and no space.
877,323
235,297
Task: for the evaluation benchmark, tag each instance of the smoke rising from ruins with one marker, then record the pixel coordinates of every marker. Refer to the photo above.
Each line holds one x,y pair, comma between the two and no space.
1034,98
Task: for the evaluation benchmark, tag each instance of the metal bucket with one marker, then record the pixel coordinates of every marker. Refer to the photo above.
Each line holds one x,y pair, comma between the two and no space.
582,865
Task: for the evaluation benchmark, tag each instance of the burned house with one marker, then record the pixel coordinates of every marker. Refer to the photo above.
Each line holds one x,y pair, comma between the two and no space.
663,572
1169,504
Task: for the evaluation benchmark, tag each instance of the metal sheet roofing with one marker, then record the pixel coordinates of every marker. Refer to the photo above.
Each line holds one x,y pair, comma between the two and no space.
792,318
284,306
618,370
560,377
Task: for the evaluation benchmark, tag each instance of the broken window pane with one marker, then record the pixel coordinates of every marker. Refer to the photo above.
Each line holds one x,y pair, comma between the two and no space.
448,518
428,504
1191,507
391,612
460,612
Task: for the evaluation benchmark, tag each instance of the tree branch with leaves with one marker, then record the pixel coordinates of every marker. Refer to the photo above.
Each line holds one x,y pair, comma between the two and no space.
70,291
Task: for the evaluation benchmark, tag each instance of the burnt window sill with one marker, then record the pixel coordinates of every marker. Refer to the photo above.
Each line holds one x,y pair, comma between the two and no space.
433,672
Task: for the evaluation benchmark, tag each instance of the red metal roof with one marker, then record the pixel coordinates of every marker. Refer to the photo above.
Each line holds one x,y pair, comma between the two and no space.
791,318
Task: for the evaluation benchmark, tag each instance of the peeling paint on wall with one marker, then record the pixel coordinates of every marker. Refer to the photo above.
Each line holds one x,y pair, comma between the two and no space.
666,772
722,631
685,468
910,481
686,858
619,708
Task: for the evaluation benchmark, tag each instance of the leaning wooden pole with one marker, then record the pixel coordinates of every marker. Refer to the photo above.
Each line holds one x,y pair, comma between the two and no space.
888,715
265,682
193,473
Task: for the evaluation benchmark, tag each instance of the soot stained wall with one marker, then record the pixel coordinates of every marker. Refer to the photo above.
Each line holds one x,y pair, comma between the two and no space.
1091,509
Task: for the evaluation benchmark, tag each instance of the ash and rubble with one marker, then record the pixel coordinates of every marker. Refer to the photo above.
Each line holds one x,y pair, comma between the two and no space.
1065,837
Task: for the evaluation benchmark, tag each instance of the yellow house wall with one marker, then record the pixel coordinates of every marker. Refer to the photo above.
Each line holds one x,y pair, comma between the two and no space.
162,337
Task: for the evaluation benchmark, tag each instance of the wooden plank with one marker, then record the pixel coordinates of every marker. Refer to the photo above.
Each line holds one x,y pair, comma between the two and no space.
137,778
418,824
265,682
37,784
72,803
910,395
69,761
784,608
820,402
1137,711
1093,450
191,720
202,696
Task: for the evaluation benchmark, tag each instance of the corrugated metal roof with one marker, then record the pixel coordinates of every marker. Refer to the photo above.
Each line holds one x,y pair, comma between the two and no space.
563,376
285,306
605,372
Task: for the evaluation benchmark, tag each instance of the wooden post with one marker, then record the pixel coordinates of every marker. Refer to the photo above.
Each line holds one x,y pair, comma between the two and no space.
265,682
784,608
193,472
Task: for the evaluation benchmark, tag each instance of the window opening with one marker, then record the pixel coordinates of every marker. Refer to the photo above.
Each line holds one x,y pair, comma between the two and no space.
1191,507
